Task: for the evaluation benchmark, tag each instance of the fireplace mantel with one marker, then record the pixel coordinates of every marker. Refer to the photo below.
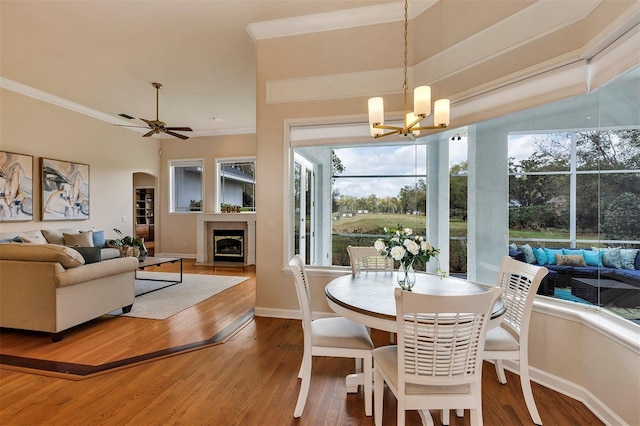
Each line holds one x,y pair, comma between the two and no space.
247,219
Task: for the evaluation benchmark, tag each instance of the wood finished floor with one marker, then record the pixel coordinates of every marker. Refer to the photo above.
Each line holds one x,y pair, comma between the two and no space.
250,379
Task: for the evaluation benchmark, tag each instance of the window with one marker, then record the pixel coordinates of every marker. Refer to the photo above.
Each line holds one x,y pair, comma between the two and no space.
185,185
346,195
237,184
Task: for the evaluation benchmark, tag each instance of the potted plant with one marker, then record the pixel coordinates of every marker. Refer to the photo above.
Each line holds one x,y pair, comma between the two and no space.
195,205
129,246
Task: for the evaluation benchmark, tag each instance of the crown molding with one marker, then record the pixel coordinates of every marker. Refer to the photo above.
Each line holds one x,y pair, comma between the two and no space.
337,20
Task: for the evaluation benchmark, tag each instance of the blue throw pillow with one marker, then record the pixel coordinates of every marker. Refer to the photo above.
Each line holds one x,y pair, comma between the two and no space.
98,239
528,253
540,255
573,252
551,255
593,258
628,257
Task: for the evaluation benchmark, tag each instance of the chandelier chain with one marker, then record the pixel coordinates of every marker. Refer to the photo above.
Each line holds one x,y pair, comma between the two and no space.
405,85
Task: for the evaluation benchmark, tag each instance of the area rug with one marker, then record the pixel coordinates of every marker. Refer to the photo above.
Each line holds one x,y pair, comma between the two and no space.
166,302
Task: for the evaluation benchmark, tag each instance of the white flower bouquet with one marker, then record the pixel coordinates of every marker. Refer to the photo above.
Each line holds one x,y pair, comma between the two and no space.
402,245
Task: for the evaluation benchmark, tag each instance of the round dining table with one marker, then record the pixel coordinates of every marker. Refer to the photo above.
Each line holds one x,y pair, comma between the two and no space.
367,297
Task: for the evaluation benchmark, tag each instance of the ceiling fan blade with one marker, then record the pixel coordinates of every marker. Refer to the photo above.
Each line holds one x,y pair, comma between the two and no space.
180,129
169,132
146,135
146,121
126,125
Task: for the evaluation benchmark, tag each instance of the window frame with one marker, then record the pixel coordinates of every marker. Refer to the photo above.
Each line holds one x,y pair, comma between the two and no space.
218,175
184,162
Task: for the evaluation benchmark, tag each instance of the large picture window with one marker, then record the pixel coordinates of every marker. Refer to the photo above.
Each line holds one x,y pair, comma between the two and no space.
346,195
185,177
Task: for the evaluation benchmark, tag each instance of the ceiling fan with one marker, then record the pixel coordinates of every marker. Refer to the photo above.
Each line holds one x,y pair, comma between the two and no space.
156,126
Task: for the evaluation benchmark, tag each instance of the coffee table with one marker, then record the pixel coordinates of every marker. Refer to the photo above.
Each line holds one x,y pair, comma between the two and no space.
612,292
156,261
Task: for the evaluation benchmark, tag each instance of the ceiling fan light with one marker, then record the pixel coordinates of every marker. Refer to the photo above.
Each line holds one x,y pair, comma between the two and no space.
422,100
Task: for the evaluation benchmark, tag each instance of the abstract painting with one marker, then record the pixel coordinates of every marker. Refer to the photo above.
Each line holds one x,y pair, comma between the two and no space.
16,187
65,190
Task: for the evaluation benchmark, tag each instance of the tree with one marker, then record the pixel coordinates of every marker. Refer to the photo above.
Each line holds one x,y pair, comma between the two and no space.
621,221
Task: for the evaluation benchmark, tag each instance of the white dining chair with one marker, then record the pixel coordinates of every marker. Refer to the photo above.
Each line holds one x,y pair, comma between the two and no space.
333,337
510,341
364,259
437,363
368,259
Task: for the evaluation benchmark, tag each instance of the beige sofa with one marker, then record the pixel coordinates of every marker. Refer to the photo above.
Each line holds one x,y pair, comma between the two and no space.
49,288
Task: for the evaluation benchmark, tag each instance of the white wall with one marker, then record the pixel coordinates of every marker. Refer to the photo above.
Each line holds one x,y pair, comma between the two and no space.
36,128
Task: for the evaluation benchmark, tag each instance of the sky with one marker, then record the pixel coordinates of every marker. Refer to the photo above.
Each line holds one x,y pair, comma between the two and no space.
401,160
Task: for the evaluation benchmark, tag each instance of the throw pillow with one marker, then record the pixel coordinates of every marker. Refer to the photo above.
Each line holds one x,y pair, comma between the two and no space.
573,252
551,255
517,255
570,259
528,253
34,239
90,254
593,258
98,239
628,258
541,256
610,257
513,247
84,239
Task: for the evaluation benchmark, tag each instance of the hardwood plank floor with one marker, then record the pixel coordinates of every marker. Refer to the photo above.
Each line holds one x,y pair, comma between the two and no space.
251,379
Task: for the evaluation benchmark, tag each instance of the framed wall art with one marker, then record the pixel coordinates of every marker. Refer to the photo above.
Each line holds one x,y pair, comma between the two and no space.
16,187
65,190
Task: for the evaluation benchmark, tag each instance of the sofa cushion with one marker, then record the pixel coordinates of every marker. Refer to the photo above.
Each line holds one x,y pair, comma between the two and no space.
570,259
89,254
33,237
81,239
55,236
107,253
628,258
66,256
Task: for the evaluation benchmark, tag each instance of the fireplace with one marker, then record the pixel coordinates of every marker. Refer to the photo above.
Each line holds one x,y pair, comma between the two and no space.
228,245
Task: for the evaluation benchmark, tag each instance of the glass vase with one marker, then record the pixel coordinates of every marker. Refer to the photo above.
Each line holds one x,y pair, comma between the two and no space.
406,276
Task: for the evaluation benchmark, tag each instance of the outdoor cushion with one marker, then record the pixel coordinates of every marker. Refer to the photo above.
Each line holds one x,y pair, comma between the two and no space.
570,260
528,253
611,256
541,256
551,255
593,258
627,258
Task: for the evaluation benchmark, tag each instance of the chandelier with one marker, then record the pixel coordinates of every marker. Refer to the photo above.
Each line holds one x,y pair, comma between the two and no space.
421,104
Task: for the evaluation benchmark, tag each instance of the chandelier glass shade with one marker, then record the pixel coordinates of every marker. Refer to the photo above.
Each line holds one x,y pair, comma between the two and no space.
421,105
